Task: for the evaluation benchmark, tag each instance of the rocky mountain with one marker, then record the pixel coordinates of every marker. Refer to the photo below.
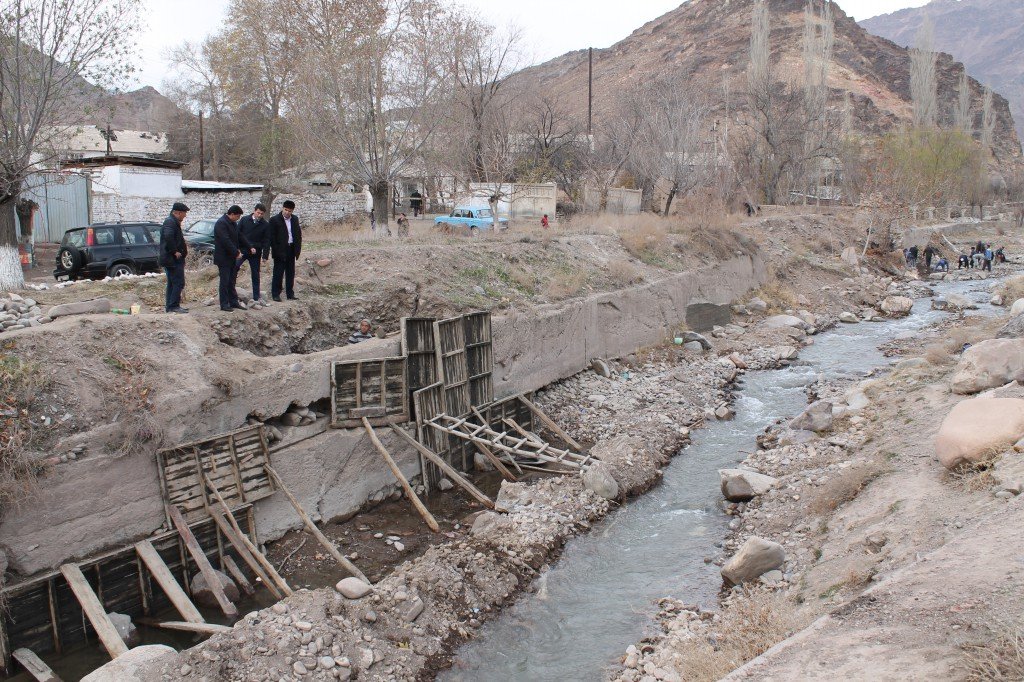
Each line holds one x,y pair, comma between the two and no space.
142,109
986,35
708,42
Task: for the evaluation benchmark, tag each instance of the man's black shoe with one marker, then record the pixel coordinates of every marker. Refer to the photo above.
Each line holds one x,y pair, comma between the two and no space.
227,308
178,310
276,298
292,298
239,306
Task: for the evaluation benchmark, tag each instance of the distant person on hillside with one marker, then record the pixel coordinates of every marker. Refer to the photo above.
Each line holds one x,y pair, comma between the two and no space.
942,265
403,225
416,203
977,256
364,333
912,257
928,253
173,249
963,262
257,232
987,253
544,222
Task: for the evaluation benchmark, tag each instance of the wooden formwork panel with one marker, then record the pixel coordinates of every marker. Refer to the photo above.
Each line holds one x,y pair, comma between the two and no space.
479,358
235,462
374,389
450,348
44,615
418,348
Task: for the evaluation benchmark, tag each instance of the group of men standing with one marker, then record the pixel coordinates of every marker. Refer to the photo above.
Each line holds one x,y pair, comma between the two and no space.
236,240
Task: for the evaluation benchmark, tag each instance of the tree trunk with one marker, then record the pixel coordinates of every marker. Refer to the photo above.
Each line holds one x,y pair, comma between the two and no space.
11,274
492,201
671,196
381,192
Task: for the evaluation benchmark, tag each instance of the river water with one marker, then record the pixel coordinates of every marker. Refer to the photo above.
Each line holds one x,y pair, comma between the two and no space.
599,597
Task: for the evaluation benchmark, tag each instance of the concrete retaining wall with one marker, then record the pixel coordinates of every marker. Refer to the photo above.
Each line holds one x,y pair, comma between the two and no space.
101,502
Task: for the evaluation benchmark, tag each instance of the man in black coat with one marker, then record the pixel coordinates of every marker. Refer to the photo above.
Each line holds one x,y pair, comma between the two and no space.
173,250
257,232
285,246
229,247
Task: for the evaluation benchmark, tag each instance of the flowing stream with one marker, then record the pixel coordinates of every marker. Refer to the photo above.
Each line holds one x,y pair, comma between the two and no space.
599,597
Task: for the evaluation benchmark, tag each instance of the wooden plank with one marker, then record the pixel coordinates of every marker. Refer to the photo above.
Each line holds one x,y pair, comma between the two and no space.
199,557
93,610
409,492
548,422
246,549
199,628
444,466
165,579
34,665
491,457
237,575
328,545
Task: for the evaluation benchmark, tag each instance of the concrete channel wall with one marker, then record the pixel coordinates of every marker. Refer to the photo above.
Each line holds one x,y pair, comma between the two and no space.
102,502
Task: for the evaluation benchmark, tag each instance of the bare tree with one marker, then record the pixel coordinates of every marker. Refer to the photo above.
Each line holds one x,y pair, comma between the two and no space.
818,39
962,120
51,51
922,76
373,83
988,119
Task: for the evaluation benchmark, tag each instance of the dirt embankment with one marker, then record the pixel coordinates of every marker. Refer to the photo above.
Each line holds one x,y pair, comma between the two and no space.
902,566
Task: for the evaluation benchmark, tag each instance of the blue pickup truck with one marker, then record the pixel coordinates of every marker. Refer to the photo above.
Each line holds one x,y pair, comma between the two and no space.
472,218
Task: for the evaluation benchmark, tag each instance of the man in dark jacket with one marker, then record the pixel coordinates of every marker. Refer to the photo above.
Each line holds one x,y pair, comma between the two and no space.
285,246
173,250
229,247
256,231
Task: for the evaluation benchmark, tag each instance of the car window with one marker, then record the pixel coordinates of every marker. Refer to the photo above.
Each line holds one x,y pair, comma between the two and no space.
154,233
136,234
483,213
203,227
105,236
75,238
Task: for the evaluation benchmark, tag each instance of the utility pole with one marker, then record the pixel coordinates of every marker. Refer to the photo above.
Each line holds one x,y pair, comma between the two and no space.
109,148
202,149
590,91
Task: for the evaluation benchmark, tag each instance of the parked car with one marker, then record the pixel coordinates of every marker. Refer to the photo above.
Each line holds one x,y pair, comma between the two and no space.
470,217
113,249
199,236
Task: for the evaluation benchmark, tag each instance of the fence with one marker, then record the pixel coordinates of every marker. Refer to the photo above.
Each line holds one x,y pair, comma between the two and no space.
620,200
517,200
63,200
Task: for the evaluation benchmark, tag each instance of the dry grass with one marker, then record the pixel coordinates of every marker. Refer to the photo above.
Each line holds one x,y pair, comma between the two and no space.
842,488
777,295
21,384
973,478
946,351
565,284
623,273
750,624
140,430
1012,289
1000,659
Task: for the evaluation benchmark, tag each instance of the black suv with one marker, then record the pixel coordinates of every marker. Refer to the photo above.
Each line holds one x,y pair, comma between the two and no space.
112,249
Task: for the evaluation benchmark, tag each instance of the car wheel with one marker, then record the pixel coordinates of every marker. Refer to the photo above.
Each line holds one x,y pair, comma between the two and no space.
474,232
70,258
120,270
206,260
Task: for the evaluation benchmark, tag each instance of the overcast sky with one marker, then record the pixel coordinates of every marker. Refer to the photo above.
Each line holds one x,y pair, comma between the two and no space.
550,27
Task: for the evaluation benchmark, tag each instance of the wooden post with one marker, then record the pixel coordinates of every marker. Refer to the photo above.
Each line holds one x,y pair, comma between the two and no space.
491,457
165,579
328,545
238,540
443,465
237,574
94,610
203,563
198,628
35,666
547,421
423,511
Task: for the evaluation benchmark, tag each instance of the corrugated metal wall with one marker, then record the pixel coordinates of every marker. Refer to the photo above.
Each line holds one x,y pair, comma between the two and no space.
63,200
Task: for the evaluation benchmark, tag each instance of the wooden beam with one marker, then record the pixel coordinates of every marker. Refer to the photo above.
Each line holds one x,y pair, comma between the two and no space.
199,628
443,465
548,422
35,666
165,579
409,492
94,610
246,552
238,576
491,457
199,557
252,555
328,545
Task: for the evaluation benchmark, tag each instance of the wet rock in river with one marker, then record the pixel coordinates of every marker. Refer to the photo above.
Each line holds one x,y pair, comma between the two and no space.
756,557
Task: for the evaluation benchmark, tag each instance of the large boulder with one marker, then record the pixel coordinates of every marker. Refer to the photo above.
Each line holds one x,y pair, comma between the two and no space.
850,256
1017,308
848,317
202,593
756,557
757,305
817,417
598,479
988,364
133,666
956,302
353,588
978,428
694,337
740,485
776,321
1014,329
897,306
125,628
95,306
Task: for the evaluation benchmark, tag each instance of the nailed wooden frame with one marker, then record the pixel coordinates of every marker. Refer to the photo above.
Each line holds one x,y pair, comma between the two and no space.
418,348
43,614
479,357
235,461
450,348
375,389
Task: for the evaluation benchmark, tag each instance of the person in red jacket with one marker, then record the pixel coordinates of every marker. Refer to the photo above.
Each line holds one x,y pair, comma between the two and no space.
544,222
